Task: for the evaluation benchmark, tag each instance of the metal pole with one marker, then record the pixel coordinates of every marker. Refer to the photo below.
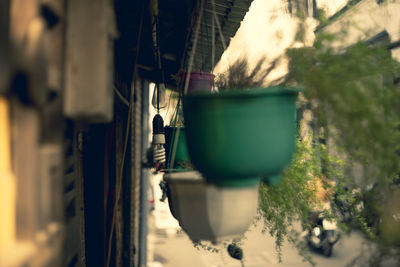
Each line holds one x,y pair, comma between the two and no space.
144,176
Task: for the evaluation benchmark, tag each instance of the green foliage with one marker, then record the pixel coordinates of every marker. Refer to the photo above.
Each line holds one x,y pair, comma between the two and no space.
291,201
206,246
354,99
240,77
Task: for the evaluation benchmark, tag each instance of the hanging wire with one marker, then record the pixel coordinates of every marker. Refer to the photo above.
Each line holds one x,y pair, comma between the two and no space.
212,45
158,98
121,97
175,116
158,62
174,123
218,25
191,57
156,50
208,40
201,48
175,136
190,65
180,83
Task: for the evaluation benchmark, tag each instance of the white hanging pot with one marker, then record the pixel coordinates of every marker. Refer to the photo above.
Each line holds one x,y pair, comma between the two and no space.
208,212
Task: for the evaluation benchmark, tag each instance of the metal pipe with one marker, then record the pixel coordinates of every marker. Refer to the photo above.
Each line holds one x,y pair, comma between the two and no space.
144,177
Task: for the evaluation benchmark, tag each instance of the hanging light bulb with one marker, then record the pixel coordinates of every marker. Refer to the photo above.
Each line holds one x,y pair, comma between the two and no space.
158,140
162,103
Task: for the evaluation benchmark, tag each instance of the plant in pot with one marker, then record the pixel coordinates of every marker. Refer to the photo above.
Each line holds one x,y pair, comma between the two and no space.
181,156
177,156
199,81
208,212
182,160
204,211
244,131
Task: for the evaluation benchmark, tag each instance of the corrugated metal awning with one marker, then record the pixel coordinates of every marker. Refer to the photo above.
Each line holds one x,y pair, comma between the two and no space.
176,19
230,14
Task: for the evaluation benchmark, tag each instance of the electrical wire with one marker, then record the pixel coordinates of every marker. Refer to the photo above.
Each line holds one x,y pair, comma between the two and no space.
212,44
156,49
191,57
119,181
121,97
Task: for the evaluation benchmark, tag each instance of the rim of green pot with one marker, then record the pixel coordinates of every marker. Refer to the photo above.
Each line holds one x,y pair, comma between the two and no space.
236,183
193,176
250,92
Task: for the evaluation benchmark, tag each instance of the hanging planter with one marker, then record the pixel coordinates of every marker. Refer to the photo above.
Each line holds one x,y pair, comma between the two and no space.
208,212
235,137
182,155
200,82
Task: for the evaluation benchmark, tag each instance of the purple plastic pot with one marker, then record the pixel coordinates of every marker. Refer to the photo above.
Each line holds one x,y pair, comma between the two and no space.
200,82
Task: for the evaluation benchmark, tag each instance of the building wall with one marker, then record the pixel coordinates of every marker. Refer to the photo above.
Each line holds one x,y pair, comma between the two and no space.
64,164
365,20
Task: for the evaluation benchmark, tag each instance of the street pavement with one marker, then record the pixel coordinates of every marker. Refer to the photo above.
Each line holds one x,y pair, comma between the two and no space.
176,250
169,246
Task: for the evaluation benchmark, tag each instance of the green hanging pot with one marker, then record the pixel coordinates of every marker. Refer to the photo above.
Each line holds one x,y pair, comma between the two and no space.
236,137
182,155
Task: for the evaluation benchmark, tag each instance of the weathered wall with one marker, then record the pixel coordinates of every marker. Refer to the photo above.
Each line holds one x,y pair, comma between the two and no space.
365,20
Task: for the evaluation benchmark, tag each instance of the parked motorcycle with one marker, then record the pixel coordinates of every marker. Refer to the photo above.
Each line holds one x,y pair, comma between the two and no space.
323,235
